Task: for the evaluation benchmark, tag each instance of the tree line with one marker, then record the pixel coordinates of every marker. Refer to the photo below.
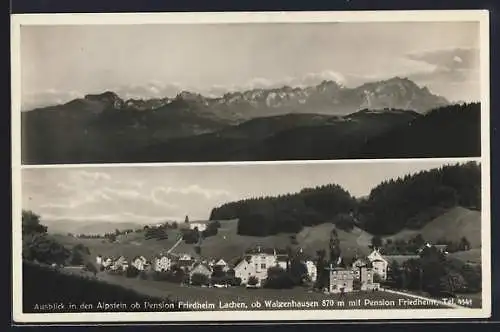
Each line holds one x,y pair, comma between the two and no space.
406,202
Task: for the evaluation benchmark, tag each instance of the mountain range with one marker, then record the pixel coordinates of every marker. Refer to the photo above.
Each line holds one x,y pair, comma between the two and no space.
259,124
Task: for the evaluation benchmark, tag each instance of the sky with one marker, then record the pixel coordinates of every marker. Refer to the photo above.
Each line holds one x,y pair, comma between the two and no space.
152,194
60,63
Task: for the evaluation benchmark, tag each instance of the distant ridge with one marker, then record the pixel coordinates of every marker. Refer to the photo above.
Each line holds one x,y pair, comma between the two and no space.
240,126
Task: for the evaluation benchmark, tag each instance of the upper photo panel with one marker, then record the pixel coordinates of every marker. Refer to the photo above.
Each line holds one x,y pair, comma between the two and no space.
137,93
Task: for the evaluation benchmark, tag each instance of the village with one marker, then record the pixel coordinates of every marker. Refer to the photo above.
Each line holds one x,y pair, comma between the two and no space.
255,266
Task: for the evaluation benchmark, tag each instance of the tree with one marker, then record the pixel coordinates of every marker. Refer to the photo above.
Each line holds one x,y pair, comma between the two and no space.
452,282
186,220
198,279
175,225
91,268
344,221
31,223
395,274
472,277
298,271
252,281
334,246
464,244
321,272
44,249
278,278
132,272
76,257
376,242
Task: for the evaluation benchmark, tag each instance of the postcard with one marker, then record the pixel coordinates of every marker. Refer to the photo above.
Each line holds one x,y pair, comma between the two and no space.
250,167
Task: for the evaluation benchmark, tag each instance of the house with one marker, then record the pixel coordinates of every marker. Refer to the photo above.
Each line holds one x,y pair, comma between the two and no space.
221,264
341,280
107,262
201,226
242,270
185,262
442,248
162,263
358,264
379,264
120,264
256,262
201,268
282,261
140,263
98,260
363,271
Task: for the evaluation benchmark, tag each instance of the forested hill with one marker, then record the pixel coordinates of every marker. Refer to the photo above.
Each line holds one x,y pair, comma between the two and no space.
449,131
409,202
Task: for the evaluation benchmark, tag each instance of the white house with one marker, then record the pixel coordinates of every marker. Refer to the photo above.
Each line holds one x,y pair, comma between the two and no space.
120,264
162,263
140,263
98,260
255,263
107,262
379,264
201,226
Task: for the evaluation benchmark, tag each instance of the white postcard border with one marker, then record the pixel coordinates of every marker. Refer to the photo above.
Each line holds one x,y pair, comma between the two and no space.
249,17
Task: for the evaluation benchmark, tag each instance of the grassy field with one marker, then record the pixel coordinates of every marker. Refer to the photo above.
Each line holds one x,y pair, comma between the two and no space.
472,256
452,226
227,244
354,300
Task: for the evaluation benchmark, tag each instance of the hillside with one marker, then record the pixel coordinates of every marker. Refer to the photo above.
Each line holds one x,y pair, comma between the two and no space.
451,226
129,245
290,136
451,131
104,128
227,244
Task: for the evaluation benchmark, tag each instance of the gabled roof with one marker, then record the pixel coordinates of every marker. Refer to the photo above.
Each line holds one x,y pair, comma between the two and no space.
221,262
202,264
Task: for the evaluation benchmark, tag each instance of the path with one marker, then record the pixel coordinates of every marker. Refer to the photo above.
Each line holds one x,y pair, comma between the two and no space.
175,245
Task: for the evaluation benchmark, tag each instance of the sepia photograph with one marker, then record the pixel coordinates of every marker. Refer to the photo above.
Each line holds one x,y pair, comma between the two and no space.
378,235
249,91
245,167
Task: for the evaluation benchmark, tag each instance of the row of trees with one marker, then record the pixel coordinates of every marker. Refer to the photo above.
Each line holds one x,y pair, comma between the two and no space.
406,202
410,246
435,274
287,213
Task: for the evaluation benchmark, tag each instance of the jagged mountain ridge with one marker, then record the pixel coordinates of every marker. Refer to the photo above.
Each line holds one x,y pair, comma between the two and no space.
327,97
105,128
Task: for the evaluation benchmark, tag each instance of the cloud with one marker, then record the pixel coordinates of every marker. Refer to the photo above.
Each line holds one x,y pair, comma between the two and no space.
192,190
457,58
455,75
